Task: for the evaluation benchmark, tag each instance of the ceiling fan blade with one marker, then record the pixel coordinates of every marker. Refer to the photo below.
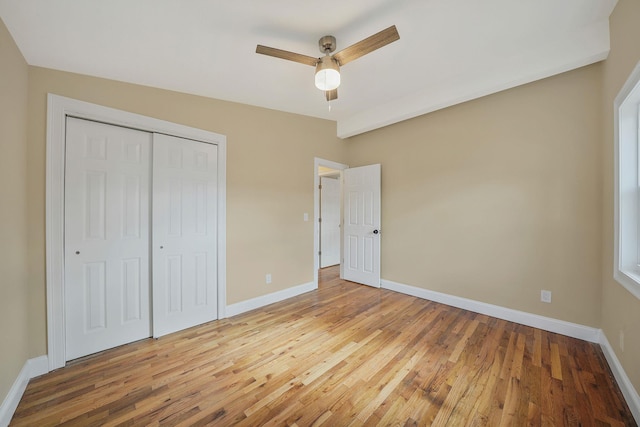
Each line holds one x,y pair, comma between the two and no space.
367,45
331,94
285,54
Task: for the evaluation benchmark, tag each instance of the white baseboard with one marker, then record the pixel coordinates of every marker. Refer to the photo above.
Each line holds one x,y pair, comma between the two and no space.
252,304
546,323
629,392
32,368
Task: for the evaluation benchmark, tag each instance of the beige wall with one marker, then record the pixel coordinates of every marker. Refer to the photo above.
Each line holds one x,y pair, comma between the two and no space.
270,169
498,198
620,309
492,200
13,209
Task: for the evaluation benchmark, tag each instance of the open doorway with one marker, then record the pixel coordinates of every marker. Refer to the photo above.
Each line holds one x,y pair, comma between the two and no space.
327,214
359,221
329,221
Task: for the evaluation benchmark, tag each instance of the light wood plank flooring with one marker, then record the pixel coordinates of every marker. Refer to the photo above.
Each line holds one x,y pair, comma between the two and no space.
343,355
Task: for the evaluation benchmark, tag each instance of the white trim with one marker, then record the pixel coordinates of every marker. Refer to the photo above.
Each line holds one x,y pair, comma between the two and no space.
31,369
317,162
626,172
259,302
628,391
57,110
574,330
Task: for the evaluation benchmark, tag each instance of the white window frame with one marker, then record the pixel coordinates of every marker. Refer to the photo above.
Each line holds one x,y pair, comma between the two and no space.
626,269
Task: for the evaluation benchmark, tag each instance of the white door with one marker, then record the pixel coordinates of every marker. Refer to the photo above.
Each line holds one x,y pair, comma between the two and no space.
106,247
361,191
184,233
329,221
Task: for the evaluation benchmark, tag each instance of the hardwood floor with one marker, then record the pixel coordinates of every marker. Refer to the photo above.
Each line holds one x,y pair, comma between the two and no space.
343,355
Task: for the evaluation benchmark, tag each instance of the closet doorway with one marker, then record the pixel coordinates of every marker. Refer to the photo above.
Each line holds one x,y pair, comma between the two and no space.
136,228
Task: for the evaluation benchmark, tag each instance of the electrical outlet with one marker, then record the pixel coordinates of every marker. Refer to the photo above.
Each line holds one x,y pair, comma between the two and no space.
545,296
621,340
268,278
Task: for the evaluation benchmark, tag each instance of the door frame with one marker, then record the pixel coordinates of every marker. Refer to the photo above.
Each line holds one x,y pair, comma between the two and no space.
317,162
58,108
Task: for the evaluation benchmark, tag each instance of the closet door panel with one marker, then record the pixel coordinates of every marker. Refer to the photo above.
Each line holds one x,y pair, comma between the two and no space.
107,182
184,233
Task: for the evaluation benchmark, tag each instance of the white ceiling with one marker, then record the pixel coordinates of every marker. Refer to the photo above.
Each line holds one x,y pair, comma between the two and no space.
449,51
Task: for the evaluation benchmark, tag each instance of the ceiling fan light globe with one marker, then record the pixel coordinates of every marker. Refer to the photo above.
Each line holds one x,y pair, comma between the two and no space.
327,79
327,73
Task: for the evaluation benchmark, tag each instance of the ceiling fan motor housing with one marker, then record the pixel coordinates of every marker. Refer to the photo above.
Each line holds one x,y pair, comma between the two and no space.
327,44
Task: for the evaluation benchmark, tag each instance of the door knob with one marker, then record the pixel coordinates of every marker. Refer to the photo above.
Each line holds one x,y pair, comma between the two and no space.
376,231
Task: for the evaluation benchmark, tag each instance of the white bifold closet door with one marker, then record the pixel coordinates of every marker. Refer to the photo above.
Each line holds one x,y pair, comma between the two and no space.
107,187
184,233
140,235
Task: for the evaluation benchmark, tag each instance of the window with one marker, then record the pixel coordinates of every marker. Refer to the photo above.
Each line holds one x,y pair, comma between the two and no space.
627,184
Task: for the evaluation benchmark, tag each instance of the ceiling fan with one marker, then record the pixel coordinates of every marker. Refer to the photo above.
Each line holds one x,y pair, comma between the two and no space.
328,66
